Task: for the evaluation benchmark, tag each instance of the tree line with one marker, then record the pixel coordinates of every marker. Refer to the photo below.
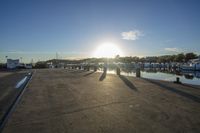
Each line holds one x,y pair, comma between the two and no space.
156,59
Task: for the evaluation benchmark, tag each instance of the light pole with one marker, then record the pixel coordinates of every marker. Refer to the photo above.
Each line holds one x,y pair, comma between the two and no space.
6,58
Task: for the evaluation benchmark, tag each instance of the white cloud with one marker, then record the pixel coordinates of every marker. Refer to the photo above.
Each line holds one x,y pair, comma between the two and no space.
173,49
131,35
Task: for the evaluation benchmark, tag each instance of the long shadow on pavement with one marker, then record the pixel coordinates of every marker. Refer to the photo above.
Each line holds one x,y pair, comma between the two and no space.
103,76
179,92
191,86
128,83
88,74
76,71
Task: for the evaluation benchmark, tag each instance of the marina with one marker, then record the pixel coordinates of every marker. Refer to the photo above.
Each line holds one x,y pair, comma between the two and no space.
166,73
100,66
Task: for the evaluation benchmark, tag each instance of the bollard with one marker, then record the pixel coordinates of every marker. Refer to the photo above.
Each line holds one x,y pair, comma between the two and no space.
138,72
177,80
118,70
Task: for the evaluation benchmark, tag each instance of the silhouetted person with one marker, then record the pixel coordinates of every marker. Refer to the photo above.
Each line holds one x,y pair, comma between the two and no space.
138,72
118,70
95,68
105,68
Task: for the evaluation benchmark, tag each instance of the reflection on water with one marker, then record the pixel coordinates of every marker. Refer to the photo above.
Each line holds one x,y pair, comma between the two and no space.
189,77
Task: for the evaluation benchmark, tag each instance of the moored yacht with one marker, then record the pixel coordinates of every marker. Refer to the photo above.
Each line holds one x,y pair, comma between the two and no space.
193,65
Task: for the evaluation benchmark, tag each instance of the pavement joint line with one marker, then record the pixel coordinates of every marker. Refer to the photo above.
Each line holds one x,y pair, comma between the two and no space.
77,111
68,113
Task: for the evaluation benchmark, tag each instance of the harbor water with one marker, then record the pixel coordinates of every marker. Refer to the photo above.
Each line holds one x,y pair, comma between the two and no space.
188,77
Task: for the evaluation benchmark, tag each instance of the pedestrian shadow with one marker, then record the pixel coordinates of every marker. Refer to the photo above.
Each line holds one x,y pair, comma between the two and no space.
88,74
103,76
174,90
128,83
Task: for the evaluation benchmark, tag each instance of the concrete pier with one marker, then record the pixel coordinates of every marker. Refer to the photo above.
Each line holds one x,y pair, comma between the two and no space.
76,101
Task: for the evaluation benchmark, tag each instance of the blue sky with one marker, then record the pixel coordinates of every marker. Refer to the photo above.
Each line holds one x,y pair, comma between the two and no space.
37,29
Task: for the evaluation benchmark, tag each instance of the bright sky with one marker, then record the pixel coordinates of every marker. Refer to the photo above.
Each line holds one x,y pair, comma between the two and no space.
37,29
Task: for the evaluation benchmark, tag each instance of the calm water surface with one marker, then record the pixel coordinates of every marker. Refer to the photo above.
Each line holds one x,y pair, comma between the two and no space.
189,77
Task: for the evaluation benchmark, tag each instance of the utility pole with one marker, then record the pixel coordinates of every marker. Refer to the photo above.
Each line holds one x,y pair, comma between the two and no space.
56,59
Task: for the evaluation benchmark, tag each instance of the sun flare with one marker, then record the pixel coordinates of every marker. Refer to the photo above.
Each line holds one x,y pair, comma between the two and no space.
108,50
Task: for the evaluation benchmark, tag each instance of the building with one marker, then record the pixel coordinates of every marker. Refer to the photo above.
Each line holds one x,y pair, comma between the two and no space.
12,64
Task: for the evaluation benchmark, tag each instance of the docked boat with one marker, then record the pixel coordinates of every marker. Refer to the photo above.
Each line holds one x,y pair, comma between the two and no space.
193,65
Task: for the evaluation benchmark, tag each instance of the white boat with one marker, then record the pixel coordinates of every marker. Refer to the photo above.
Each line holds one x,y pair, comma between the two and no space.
147,65
193,65
197,67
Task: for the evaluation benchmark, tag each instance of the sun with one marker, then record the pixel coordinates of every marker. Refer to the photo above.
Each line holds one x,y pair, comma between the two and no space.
108,50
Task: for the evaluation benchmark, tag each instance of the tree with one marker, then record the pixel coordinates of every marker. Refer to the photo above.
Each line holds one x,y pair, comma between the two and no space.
41,64
162,59
180,57
117,56
189,56
172,58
